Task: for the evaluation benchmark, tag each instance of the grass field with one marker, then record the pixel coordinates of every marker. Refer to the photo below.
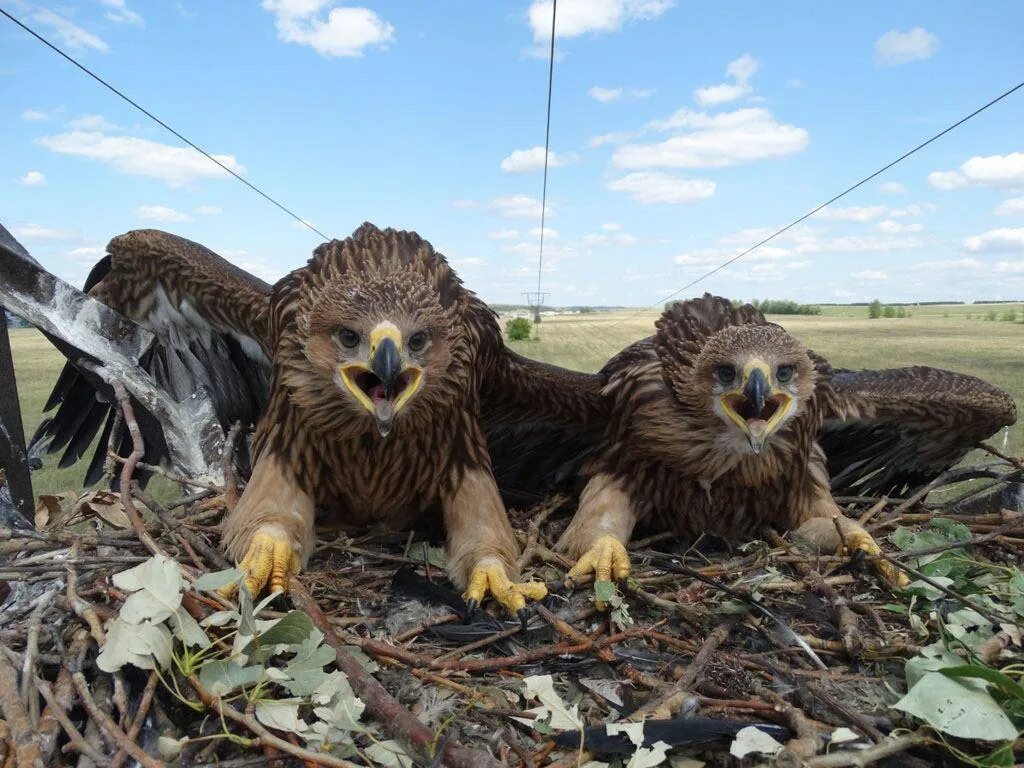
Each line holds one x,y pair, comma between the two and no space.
956,337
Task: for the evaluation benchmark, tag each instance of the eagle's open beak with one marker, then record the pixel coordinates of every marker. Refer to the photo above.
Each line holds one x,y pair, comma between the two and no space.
757,406
384,384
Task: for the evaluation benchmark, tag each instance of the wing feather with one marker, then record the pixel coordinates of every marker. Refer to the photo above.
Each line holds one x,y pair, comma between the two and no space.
210,323
892,431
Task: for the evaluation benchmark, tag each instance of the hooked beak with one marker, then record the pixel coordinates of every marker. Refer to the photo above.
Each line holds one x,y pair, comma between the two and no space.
758,407
384,384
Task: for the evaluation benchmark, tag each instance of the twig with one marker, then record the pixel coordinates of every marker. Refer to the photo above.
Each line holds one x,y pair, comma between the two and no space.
31,651
1018,463
115,736
860,758
537,518
266,738
76,741
396,719
198,543
140,717
63,697
23,735
483,642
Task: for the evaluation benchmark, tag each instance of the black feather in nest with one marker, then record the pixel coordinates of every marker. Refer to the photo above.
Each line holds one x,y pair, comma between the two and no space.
409,584
691,731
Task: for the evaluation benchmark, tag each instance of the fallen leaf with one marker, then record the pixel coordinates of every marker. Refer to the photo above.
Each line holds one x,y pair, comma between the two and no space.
958,709
751,740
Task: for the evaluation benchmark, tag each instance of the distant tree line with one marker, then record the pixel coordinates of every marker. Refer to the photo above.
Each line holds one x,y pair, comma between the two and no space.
877,309
785,307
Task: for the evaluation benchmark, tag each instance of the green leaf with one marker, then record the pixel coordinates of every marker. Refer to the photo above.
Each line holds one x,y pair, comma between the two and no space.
220,618
281,714
365,661
390,754
604,591
211,582
422,552
1004,683
187,629
292,629
169,748
220,677
956,709
116,647
343,708
246,614
155,588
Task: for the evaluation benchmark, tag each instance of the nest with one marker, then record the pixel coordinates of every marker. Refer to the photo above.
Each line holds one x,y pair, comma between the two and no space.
701,643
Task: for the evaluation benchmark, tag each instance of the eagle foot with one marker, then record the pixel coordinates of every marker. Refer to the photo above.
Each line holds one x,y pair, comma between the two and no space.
863,541
606,559
490,576
272,558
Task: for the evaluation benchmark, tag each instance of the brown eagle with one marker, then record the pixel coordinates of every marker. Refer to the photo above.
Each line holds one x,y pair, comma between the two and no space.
721,423
374,379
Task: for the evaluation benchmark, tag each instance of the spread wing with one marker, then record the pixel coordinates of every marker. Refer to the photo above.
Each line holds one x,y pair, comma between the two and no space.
540,420
210,323
892,431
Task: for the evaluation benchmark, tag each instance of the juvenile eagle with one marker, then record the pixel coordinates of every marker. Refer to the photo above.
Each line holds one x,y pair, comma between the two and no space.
720,423
371,374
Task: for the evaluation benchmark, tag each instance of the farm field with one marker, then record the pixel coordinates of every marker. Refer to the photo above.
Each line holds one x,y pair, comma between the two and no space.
957,337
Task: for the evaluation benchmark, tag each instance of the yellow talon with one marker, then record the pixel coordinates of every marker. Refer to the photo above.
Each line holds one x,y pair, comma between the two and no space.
490,576
269,558
607,559
863,541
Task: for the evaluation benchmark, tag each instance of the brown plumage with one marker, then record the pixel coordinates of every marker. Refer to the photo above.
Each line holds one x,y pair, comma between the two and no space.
386,380
718,423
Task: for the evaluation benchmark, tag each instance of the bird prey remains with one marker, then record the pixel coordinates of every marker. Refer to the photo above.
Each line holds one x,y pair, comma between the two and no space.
718,423
371,374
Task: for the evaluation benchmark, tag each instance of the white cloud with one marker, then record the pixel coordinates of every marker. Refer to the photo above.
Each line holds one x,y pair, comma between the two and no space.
641,93
853,213
141,157
768,262
890,227
895,47
740,70
159,213
1010,266
208,210
40,233
34,115
605,94
92,123
71,35
87,255
1012,207
548,232
1003,239
712,141
870,274
119,13
525,160
509,206
611,227
618,238
616,137
578,17
991,170
33,179
504,234
655,187
892,188
343,32
914,209
949,265
794,82
857,244
947,180
466,261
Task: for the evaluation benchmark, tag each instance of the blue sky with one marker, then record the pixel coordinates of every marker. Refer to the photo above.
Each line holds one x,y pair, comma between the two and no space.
681,133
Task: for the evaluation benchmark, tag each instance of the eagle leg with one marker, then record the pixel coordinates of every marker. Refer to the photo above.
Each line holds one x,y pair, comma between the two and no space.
839,533
269,533
482,548
598,532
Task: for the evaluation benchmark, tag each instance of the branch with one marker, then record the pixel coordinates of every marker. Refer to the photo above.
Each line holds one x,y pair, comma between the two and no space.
397,720
23,735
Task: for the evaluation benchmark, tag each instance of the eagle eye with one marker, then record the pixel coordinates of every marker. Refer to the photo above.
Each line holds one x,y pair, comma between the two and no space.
784,373
418,341
726,374
348,338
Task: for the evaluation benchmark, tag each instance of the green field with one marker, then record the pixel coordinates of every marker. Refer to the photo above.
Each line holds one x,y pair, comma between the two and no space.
957,337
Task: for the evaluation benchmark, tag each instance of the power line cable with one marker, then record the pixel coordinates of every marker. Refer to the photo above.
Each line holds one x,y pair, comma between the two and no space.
845,192
160,122
547,144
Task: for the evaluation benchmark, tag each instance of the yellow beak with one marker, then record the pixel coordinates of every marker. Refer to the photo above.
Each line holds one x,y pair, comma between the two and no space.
383,384
756,406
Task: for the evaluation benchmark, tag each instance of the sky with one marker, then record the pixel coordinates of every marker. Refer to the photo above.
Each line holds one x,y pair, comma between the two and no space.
681,134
